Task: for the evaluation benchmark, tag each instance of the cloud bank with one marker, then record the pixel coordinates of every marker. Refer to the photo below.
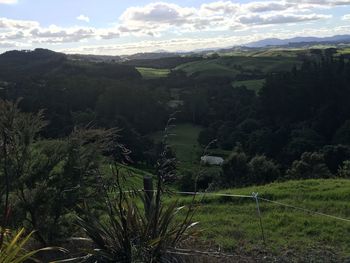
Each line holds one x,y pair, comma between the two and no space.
161,18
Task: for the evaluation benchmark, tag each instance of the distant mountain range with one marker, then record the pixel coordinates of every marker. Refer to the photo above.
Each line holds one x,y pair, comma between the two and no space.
298,40
295,42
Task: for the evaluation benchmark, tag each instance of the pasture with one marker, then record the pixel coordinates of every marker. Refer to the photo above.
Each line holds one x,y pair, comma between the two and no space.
232,224
231,66
152,73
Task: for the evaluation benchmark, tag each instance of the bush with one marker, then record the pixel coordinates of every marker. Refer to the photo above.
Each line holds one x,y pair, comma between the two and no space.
131,234
310,166
262,170
344,170
235,168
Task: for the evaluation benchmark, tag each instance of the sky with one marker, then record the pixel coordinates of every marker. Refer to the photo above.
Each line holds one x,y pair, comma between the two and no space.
121,27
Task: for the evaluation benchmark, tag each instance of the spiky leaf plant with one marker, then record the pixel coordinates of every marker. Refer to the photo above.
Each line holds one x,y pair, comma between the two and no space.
13,248
129,234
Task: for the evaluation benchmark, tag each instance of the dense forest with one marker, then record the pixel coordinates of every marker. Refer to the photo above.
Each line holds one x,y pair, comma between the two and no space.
302,110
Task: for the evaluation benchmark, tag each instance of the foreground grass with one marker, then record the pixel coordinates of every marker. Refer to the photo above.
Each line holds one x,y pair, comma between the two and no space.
232,223
152,73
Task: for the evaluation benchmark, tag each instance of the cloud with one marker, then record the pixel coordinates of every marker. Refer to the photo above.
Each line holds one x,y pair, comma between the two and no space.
83,18
157,17
322,2
190,44
346,17
55,34
29,32
6,23
279,19
8,2
258,7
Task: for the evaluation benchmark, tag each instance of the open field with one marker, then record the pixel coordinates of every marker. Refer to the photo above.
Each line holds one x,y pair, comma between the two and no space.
229,65
183,141
151,73
232,223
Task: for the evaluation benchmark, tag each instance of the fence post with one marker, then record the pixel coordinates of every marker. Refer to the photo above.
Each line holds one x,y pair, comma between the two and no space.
148,188
255,196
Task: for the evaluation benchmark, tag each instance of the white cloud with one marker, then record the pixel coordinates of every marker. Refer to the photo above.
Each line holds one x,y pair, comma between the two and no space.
8,2
190,44
279,19
83,18
154,18
221,17
6,23
55,34
346,17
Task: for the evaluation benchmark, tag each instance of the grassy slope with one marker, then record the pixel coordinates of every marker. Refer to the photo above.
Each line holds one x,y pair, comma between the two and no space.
184,143
225,65
232,223
151,73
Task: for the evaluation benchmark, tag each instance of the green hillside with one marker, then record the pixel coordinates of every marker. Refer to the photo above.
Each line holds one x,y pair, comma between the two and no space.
232,223
151,73
231,66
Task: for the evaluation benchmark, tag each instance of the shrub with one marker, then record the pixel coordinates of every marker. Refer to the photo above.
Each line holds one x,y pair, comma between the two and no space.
262,170
130,234
12,247
235,168
310,166
344,170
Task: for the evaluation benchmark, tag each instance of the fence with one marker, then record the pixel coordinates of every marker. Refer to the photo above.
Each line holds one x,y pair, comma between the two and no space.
148,189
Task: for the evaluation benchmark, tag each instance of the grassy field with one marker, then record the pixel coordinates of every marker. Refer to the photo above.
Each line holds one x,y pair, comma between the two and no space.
184,143
255,84
344,51
208,67
152,73
227,66
232,223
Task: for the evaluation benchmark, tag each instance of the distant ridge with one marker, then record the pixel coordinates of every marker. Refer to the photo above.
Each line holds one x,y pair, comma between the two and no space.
298,40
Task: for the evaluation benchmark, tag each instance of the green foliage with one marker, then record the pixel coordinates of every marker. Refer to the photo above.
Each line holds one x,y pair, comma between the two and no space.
45,180
255,84
235,169
13,247
262,170
342,135
335,155
344,170
130,234
311,165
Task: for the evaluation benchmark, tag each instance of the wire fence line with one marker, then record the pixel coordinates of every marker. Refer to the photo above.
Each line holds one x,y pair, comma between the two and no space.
254,197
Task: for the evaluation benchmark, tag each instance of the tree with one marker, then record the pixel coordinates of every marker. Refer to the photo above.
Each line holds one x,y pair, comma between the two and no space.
310,166
18,132
335,155
46,179
344,170
342,135
235,168
262,170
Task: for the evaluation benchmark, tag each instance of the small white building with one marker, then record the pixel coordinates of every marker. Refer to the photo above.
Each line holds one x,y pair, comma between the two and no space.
212,160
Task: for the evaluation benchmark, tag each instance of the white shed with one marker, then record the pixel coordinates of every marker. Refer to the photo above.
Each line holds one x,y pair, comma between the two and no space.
212,160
